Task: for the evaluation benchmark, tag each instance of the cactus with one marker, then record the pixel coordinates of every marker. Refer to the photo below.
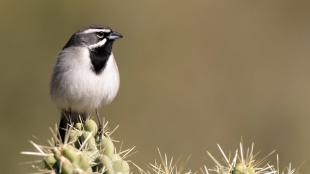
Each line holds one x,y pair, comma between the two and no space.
245,162
86,150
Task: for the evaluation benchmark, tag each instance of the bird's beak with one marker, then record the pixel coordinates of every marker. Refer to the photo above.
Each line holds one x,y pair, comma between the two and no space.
114,35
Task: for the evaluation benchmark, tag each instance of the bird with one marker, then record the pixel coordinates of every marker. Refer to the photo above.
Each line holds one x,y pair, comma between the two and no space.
85,76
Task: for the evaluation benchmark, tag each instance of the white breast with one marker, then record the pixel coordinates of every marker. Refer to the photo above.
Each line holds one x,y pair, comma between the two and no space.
75,86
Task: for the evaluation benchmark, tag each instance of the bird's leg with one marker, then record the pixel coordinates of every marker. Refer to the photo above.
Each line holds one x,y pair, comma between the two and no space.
69,117
63,124
100,129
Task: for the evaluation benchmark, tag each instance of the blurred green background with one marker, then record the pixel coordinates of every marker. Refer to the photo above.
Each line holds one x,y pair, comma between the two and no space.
193,74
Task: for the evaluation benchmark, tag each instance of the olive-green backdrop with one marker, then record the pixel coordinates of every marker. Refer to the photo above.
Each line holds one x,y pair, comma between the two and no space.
193,74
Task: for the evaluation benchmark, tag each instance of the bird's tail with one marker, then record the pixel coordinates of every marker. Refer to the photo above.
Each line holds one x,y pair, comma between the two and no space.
68,118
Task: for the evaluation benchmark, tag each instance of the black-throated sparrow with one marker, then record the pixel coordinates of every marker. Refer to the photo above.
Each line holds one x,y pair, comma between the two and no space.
85,75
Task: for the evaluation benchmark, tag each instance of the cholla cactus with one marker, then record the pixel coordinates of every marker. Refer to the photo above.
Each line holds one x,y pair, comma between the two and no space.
241,162
288,170
244,163
86,150
89,150
166,166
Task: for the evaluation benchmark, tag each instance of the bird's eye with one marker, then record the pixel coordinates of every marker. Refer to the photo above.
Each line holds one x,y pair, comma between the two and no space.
100,35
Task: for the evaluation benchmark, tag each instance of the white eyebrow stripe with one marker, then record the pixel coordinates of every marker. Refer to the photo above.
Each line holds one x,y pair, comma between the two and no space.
99,44
96,30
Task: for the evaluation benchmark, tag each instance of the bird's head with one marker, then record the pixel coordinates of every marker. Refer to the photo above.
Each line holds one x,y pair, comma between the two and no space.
93,37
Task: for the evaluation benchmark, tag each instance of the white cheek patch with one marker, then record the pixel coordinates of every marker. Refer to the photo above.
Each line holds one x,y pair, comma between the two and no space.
96,30
99,44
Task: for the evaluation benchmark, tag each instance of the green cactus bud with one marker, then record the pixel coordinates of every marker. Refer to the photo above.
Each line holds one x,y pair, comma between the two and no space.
239,169
74,135
91,142
78,126
57,154
92,145
107,146
85,135
121,166
50,161
78,171
107,164
66,167
251,170
243,169
91,126
70,153
83,162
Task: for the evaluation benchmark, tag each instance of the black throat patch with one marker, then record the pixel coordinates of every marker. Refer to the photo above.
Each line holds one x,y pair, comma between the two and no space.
99,56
